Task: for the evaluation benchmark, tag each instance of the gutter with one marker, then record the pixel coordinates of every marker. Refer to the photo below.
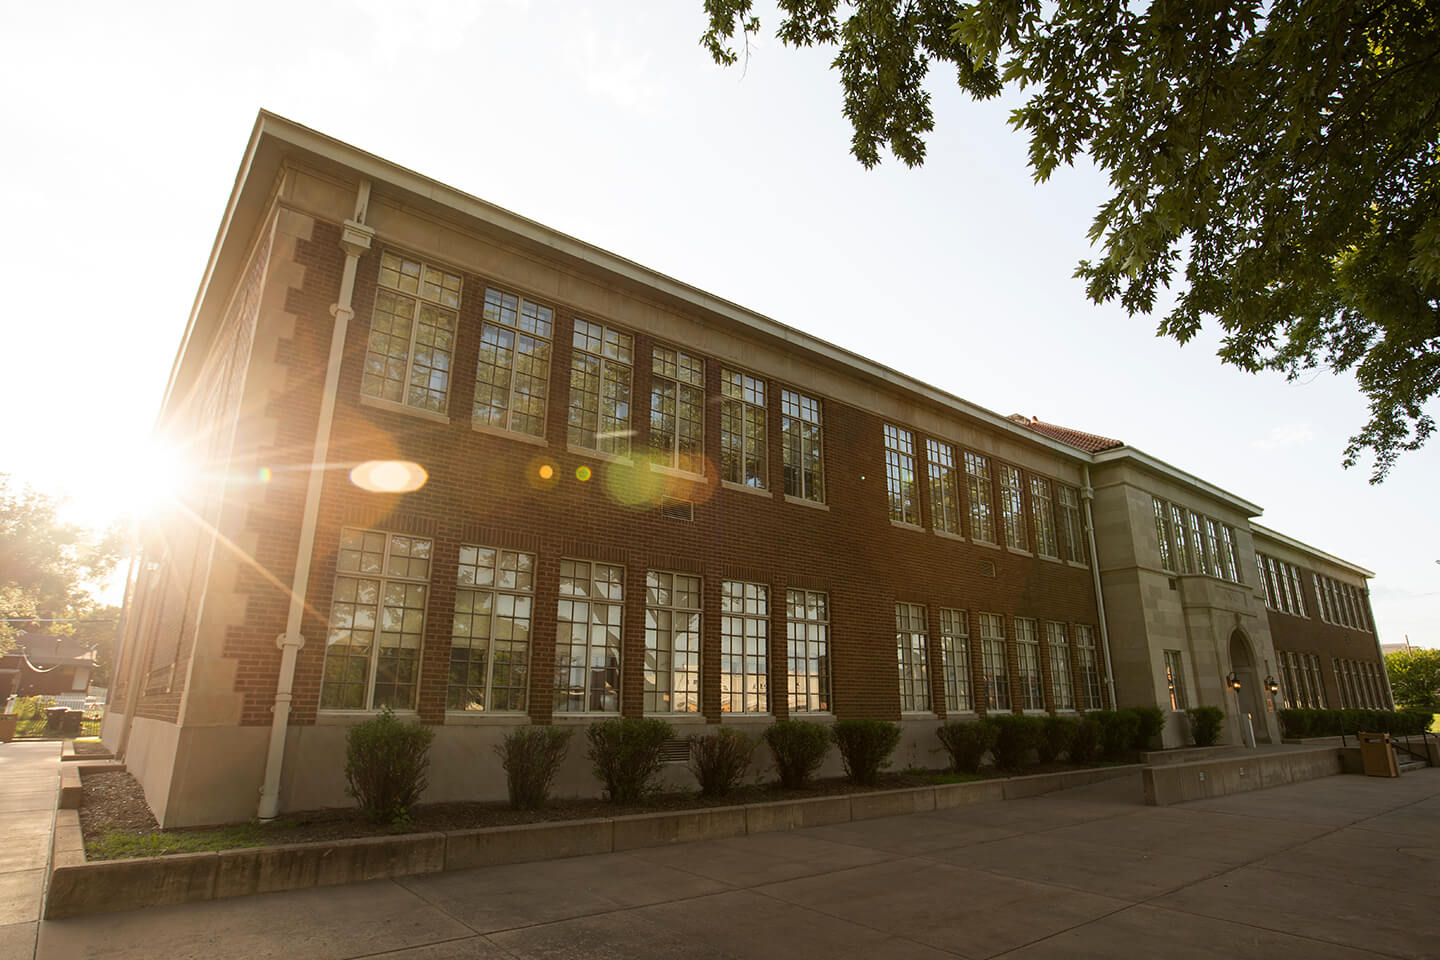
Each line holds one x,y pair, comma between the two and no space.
1087,493
355,241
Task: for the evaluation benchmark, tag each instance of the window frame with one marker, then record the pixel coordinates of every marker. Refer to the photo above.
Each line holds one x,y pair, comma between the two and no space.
1175,680
1062,681
912,642
994,666
754,626
1032,681
588,691
684,700
1012,507
980,487
496,591
737,392
612,434
519,411
800,415
955,660
808,633
1042,512
902,489
414,345
675,458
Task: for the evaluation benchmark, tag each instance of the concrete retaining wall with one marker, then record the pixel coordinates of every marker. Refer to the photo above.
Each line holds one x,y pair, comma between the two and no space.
80,887
1179,782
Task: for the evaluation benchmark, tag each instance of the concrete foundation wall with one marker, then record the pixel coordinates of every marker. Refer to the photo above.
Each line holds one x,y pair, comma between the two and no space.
1180,782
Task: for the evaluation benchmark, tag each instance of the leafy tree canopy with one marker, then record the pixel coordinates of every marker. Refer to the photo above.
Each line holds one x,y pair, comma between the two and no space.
47,567
1282,157
1415,678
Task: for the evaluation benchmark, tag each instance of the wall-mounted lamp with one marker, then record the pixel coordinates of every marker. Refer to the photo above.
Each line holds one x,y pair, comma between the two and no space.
1234,682
1271,685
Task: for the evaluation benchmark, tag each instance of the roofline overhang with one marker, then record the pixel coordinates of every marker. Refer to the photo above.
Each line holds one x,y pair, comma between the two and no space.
1156,465
1294,544
274,138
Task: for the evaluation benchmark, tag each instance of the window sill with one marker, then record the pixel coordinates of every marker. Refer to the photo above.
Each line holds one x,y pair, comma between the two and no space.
677,473
1019,552
490,431
579,717
601,455
746,488
817,716
1049,559
948,535
1077,565
987,544
347,718
903,525
404,409
680,719
918,715
802,502
476,718
961,715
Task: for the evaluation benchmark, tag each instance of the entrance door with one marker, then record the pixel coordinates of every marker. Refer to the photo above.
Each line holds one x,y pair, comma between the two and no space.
1243,665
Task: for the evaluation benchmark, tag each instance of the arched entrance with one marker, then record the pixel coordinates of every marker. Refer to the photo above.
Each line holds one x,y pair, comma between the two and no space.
1242,663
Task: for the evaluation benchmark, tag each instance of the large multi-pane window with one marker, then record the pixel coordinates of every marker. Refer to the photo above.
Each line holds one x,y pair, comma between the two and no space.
1089,661
600,380
1072,541
1027,665
744,647
587,645
910,643
1184,551
1012,508
992,657
412,334
1197,546
672,642
677,409
1282,583
1042,507
800,430
981,490
1317,681
1167,558
944,490
955,659
377,619
512,375
900,483
1229,555
1340,603
1175,680
742,429
1061,689
490,636
807,650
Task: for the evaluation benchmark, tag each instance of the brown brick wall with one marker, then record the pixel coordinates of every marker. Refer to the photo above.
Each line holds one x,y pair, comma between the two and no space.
484,488
1310,634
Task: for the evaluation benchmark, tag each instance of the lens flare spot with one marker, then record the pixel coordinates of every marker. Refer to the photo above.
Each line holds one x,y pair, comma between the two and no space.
582,474
263,475
546,471
389,476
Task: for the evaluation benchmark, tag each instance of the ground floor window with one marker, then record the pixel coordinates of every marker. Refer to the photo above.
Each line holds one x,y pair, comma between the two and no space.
587,644
807,650
672,643
490,633
1027,661
1061,688
910,642
992,654
955,660
1089,662
1175,680
744,647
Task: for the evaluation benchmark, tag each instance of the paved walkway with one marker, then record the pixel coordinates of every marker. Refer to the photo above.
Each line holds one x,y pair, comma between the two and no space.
29,784
1344,867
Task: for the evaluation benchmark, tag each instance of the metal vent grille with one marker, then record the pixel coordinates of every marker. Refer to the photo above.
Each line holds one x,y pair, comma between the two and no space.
673,508
676,750
987,568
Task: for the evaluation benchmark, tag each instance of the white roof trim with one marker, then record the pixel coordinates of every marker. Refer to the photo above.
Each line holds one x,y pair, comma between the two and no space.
1189,479
1294,544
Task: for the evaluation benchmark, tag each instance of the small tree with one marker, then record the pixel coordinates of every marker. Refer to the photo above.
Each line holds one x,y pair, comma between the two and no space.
531,757
385,763
1415,678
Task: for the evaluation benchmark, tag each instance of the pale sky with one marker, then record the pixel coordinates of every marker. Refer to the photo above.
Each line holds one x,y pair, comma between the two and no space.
124,125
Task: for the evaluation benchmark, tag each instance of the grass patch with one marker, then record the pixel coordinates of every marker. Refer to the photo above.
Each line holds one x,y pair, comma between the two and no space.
123,844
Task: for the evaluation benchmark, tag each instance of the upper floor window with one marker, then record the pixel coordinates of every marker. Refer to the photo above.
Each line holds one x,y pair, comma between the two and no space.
672,643
512,375
1197,545
1012,508
412,334
1042,506
1071,531
587,637
490,637
600,378
910,642
1282,585
744,647
677,410
377,620
804,459
980,488
900,475
1184,548
944,490
1167,559
742,429
807,650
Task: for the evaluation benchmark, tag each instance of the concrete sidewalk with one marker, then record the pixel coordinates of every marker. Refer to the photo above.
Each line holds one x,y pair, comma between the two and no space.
29,785
1344,867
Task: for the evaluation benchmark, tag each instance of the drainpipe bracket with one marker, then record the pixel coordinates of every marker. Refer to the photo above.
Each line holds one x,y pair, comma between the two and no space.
355,238
289,640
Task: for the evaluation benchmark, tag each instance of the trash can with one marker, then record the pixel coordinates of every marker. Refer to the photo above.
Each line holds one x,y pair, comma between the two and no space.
70,723
1377,755
54,719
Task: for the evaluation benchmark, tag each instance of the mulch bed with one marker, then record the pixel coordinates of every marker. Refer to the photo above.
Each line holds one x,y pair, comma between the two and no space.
91,748
113,800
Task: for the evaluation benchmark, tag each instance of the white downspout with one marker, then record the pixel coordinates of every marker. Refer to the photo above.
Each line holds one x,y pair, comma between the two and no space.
355,241
1087,494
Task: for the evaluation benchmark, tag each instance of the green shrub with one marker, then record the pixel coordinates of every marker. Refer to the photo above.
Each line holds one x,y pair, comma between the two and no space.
385,762
719,760
1151,724
1056,735
1085,742
1413,722
1118,729
1015,738
1294,723
30,718
799,748
865,746
627,755
1332,723
531,757
967,742
1205,724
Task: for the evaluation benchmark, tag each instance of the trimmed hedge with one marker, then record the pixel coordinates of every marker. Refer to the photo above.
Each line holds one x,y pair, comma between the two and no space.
1151,722
385,763
1118,732
799,747
1016,738
719,760
531,756
1085,742
967,742
865,746
1056,737
627,755
1205,725
1299,723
